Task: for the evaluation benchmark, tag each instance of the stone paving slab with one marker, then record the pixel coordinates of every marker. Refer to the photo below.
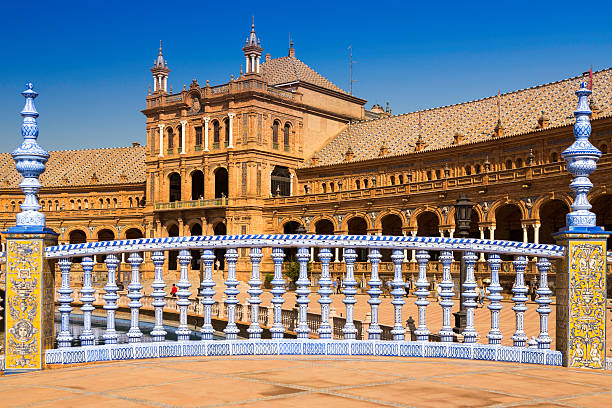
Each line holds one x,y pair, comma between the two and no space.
307,382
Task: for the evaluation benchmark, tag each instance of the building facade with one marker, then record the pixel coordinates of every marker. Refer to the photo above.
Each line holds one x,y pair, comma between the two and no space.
280,146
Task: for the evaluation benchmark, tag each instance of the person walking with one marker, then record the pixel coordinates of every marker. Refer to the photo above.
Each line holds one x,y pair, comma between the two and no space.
438,292
173,290
338,285
481,296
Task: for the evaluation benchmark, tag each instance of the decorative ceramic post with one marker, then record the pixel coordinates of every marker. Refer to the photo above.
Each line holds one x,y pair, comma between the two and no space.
278,290
110,297
231,330
29,277
255,291
349,330
183,332
422,332
134,294
543,302
302,293
64,338
581,279
469,293
87,335
446,332
519,289
398,293
374,331
495,335
208,257
158,333
325,283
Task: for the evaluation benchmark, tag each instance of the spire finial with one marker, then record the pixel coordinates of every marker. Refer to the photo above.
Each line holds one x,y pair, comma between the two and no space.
581,158
253,24
160,47
30,161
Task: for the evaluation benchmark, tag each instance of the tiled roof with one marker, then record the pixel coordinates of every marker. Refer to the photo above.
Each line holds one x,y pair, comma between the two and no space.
290,69
117,165
475,120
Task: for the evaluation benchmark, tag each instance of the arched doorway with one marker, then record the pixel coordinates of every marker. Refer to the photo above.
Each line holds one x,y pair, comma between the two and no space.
428,225
324,227
391,225
173,231
175,187
220,229
197,185
291,228
359,226
602,207
77,237
552,219
508,223
221,183
104,235
196,229
280,182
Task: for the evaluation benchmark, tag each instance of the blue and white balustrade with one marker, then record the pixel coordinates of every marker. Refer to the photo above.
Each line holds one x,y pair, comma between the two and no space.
305,335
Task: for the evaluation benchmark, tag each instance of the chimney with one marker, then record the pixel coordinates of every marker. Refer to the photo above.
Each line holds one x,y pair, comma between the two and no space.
348,156
543,120
458,137
268,57
315,159
383,149
499,129
420,145
135,144
291,50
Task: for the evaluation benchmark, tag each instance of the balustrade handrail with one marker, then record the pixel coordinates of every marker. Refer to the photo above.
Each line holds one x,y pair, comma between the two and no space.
303,240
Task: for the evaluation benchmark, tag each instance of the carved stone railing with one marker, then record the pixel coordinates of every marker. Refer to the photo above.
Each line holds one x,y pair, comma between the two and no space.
213,202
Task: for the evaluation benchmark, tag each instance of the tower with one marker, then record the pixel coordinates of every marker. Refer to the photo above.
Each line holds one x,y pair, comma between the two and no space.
252,52
160,72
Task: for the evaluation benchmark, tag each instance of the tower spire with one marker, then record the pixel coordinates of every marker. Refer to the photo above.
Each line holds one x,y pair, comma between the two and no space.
160,72
252,51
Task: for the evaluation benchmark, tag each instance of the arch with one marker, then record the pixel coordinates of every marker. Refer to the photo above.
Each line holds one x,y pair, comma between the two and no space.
391,224
291,225
324,226
519,163
280,182
348,218
554,157
134,233
415,215
602,207
317,219
508,222
604,149
195,229
358,225
226,132
477,208
174,180
286,135
220,229
509,164
552,218
537,205
221,182
104,234
383,214
197,185
428,224
179,135
500,203
468,170
77,236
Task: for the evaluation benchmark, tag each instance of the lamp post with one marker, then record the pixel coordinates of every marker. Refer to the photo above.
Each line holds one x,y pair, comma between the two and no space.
463,216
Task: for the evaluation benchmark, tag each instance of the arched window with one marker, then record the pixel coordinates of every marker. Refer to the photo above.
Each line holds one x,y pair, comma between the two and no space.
508,164
275,127
42,205
331,187
280,181
438,174
604,149
428,174
553,157
221,182
323,186
478,169
519,163
226,127
392,179
108,203
101,203
198,135
78,204
86,204
114,203
56,205
216,133
357,184
179,132
130,202
401,179
175,187
468,170
365,183
170,138
286,131
12,206
72,204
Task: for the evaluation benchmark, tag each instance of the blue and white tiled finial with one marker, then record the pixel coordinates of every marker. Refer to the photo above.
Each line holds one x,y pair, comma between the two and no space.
30,161
581,158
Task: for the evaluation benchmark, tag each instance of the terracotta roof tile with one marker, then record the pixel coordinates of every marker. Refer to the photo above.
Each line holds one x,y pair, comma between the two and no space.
284,70
117,165
476,120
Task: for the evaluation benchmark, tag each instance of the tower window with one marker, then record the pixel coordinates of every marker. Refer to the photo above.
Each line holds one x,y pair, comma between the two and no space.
198,135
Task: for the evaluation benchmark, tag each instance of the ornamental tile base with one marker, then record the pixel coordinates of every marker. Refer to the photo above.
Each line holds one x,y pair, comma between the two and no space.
581,301
29,289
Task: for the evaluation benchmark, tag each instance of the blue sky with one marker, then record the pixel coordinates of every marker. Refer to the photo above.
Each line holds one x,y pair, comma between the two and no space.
90,60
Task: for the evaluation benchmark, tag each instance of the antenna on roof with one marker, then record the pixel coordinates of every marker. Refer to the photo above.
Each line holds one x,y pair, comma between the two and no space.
350,47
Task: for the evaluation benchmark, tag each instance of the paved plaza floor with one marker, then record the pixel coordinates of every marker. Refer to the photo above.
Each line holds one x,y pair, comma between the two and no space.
307,382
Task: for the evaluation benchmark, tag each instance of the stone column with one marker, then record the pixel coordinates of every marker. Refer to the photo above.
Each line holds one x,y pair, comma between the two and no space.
536,233
206,120
482,255
525,233
230,122
161,139
413,257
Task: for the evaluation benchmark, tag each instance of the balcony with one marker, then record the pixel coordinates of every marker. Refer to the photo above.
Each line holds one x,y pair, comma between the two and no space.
176,205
